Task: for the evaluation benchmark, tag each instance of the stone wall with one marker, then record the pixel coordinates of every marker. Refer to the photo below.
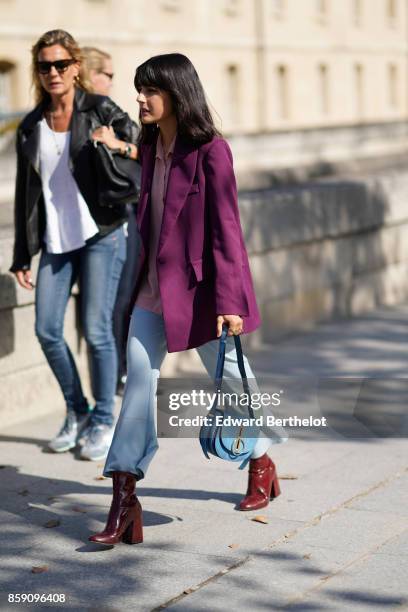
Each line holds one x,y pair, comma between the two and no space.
264,160
329,249
27,385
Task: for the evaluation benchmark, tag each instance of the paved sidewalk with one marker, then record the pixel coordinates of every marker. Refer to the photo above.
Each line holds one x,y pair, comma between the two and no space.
336,539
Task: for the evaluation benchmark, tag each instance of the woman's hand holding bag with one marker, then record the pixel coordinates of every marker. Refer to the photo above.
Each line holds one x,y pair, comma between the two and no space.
118,177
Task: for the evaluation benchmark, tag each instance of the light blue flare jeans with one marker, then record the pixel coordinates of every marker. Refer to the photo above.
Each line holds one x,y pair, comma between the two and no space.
134,443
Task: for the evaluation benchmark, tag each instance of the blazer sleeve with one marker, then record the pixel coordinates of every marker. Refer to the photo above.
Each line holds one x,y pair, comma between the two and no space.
226,233
21,256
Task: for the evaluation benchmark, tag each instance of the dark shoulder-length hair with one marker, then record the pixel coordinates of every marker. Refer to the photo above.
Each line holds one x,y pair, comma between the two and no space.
175,74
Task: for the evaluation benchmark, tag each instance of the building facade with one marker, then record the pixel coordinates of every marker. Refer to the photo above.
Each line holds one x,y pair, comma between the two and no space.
267,65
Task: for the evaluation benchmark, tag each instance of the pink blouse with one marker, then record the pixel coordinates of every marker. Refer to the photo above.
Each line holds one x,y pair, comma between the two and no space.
148,296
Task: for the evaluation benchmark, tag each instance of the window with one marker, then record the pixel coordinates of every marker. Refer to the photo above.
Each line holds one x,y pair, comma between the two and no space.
323,89
232,7
321,10
359,90
282,92
171,5
357,12
392,86
6,74
278,8
233,97
391,12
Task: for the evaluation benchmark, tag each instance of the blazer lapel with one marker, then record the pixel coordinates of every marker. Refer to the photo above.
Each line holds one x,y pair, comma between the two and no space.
183,169
142,214
79,131
82,123
31,147
146,178
31,138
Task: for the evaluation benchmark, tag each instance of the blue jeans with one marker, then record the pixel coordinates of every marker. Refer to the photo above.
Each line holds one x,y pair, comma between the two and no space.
135,443
97,267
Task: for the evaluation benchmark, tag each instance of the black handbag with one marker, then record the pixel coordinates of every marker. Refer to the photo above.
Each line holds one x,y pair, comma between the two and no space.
118,178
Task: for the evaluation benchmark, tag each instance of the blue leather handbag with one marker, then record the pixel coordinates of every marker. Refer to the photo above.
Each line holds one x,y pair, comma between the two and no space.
236,441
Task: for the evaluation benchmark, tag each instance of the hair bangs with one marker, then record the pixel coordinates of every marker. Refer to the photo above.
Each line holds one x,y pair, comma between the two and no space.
151,74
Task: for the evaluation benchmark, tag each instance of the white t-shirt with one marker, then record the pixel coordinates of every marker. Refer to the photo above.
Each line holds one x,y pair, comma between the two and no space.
69,222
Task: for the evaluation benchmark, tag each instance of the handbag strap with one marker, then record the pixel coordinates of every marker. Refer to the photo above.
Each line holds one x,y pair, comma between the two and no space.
221,356
219,371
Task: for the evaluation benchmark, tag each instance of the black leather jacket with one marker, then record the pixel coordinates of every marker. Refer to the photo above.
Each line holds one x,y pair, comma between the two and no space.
90,110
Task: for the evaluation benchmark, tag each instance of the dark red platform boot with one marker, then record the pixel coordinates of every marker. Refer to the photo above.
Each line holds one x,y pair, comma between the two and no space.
125,515
263,484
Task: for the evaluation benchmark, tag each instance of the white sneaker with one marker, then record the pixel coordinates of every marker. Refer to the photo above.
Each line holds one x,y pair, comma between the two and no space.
67,437
96,442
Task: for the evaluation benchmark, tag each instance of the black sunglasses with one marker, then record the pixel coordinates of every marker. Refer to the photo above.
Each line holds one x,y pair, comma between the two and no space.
59,65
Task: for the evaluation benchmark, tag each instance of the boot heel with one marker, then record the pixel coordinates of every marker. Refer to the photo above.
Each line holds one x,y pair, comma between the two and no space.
275,490
134,531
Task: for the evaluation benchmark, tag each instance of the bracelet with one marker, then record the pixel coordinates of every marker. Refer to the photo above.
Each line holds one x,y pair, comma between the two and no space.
128,151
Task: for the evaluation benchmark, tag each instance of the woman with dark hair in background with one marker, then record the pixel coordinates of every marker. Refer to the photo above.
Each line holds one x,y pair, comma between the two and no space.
57,211
98,67
194,277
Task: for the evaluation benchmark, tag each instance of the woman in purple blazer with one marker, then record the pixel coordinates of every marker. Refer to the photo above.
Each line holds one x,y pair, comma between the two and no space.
194,277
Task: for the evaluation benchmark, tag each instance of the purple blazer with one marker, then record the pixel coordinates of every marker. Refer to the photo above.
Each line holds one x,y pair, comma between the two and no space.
202,264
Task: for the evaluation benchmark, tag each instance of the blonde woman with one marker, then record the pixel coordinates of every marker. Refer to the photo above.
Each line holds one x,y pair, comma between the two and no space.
58,212
98,66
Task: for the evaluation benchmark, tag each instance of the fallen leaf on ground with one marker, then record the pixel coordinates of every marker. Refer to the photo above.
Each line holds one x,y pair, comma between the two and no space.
52,523
39,569
174,517
101,478
78,509
288,477
308,556
260,519
233,545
